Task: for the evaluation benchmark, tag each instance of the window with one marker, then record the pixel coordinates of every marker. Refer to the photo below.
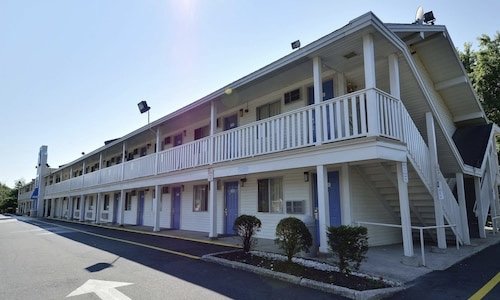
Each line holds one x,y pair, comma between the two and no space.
201,132
268,110
128,201
270,195
200,197
292,96
295,207
144,151
178,139
106,202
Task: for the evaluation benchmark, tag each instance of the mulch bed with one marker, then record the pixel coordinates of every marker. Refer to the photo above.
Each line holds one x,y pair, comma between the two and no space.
332,277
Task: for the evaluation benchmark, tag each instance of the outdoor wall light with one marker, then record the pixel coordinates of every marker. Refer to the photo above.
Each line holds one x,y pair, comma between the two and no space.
182,188
243,180
306,176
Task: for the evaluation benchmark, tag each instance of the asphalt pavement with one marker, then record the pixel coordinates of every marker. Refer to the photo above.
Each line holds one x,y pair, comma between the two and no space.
42,259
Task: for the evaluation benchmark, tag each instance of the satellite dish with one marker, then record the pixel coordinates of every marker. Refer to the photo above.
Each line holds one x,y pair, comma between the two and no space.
419,16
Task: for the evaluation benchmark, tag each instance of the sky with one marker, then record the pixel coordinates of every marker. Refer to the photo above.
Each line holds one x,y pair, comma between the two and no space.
72,72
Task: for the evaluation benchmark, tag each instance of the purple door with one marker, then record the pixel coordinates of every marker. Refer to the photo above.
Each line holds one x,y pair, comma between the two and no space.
176,208
231,210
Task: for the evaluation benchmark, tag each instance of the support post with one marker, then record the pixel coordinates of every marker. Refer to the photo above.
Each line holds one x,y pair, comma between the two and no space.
98,208
463,207
480,218
370,84
404,207
323,207
345,199
212,203
213,125
70,208
394,76
318,97
82,207
123,161
438,209
121,208
341,86
156,208
157,154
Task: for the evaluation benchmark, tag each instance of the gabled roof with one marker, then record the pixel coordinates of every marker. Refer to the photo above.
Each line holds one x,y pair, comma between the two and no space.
472,142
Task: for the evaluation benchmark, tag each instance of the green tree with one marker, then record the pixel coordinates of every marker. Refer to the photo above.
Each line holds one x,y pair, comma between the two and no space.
8,196
483,67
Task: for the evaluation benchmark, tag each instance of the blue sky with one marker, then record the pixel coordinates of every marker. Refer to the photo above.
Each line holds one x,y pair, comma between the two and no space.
72,72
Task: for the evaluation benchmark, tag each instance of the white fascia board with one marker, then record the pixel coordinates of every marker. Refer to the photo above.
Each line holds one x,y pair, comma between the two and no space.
391,36
475,115
354,25
450,82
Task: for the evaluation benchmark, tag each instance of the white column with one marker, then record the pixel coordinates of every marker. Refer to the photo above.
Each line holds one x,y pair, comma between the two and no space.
98,208
345,198
341,85
157,155
318,97
82,206
404,206
438,209
212,204
156,208
323,207
463,207
70,208
121,208
213,125
481,219
123,160
370,84
100,168
394,76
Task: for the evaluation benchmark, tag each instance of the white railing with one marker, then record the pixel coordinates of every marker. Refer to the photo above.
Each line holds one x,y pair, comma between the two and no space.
185,156
25,196
283,132
450,206
139,167
76,182
421,234
111,174
91,179
417,148
390,115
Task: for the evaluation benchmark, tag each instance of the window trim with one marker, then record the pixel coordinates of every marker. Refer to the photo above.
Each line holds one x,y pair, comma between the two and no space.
203,202
269,200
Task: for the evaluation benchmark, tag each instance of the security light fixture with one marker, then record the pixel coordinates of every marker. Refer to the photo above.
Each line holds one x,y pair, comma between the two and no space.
429,18
295,44
306,176
243,180
143,107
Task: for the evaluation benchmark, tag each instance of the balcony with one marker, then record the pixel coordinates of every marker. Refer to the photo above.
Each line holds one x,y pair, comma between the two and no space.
368,112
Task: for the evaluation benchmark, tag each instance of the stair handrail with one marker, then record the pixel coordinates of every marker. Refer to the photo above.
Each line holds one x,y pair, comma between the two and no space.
419,156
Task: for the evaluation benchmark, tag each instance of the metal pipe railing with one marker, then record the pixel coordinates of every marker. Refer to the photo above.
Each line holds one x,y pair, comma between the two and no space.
421,233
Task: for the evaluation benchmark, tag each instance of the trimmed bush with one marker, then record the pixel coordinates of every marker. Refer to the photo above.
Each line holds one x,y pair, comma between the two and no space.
292,236
246,226
350,244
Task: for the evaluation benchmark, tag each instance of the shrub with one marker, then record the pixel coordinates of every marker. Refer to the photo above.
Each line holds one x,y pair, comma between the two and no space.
292,236
246,226
350,244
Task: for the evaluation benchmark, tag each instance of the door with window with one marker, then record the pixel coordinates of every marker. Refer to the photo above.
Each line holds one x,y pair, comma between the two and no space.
178,139
231,209
140,208
176,208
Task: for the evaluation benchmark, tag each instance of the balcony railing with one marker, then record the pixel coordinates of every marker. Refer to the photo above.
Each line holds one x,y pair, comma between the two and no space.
363,113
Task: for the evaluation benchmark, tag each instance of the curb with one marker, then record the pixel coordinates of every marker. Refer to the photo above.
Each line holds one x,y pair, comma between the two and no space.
144,232
325,287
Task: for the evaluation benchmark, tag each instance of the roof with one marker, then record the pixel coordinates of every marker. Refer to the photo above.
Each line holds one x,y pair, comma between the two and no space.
472,142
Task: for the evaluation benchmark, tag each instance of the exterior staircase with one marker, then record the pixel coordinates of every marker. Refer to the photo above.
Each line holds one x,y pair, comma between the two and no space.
381,177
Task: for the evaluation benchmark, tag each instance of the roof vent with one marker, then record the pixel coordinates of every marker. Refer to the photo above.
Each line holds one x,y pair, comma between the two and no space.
350,55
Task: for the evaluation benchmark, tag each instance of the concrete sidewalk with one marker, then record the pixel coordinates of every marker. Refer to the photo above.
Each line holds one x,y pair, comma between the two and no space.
382,261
